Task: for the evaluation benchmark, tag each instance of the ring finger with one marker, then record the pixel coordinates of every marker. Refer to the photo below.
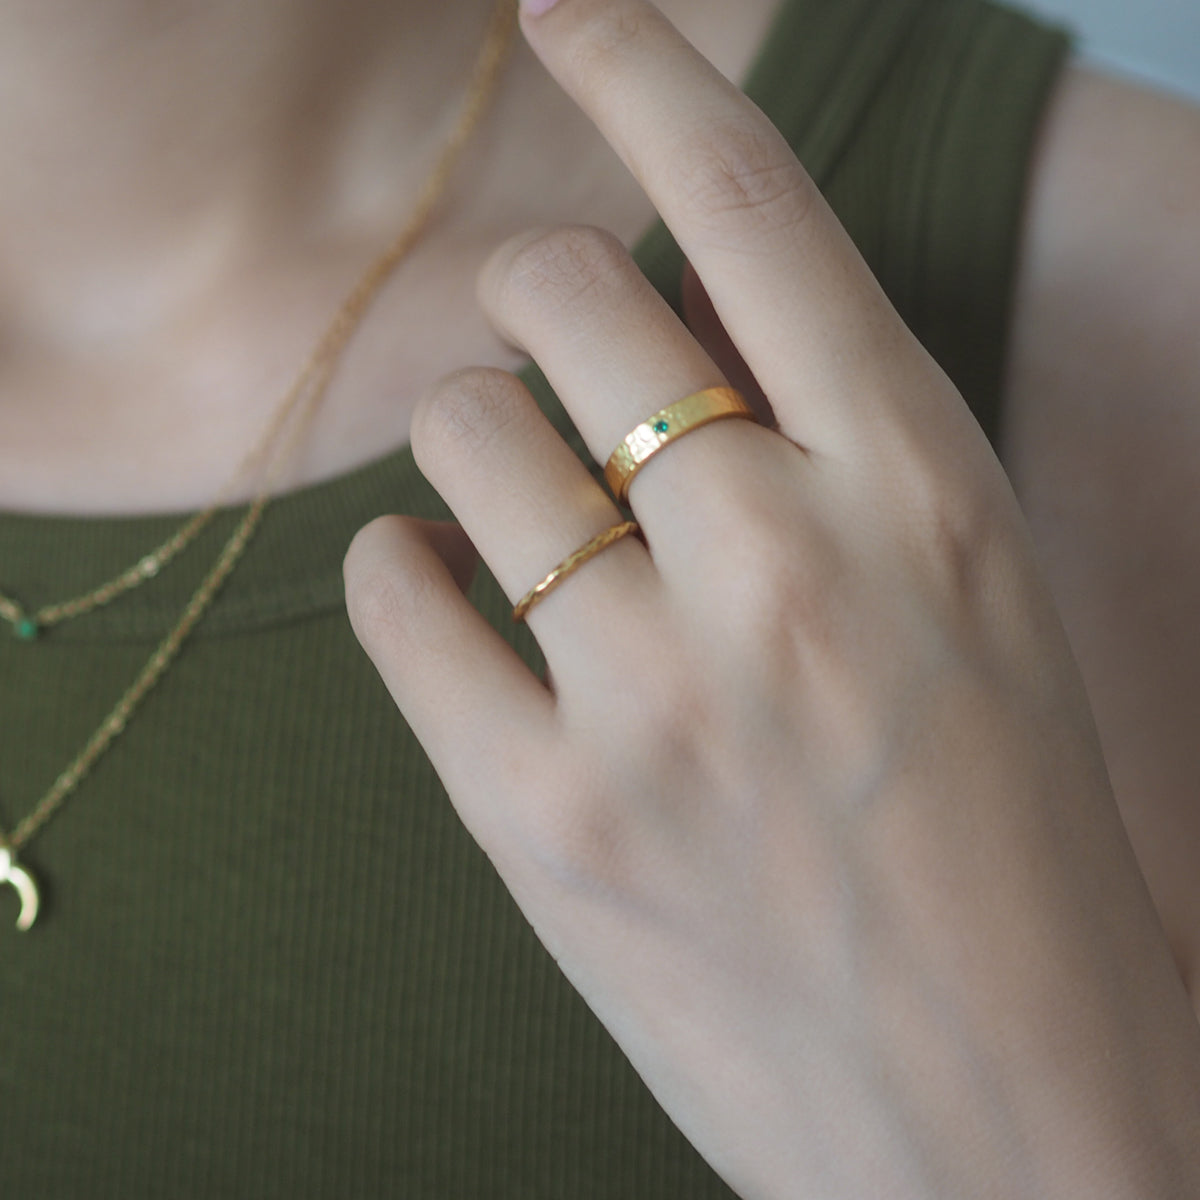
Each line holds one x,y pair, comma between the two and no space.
526,502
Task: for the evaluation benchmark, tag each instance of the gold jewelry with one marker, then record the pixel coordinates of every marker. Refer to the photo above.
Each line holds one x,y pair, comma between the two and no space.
570,565
302,396
638,447
10,872
317,370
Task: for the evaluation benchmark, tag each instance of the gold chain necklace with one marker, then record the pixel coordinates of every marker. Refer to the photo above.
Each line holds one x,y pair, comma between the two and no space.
302,396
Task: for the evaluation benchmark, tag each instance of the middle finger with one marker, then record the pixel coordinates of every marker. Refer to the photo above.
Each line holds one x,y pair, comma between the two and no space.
616,353
786,280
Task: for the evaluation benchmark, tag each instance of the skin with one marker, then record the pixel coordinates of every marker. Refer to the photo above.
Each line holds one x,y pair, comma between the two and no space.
127,296
815,814
149,331
1101,440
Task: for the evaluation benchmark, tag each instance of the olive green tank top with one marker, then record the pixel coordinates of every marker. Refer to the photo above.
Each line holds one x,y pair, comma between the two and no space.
270,961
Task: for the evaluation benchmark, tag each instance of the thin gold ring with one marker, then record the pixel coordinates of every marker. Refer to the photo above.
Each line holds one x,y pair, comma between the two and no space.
638,447
571,564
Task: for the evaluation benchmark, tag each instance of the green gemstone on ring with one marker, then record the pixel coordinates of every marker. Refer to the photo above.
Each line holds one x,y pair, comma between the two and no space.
26,629
661,426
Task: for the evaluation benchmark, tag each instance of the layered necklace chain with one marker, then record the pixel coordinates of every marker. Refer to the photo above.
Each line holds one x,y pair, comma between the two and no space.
298,405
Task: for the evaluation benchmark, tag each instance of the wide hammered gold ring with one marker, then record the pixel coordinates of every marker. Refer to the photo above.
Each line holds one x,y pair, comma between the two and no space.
570,565
638,447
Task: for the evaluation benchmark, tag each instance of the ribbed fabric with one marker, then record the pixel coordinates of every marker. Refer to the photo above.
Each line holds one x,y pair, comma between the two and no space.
271,963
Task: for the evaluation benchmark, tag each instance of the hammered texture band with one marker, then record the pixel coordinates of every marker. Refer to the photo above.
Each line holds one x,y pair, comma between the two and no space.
638,447
571,564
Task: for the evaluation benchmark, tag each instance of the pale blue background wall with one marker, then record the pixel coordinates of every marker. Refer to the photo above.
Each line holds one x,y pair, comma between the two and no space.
1156,40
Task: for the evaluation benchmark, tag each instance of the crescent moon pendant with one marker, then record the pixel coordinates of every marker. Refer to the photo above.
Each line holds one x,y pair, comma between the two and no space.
25,887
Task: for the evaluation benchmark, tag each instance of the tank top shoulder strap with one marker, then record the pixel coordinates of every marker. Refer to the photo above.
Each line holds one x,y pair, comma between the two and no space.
918,119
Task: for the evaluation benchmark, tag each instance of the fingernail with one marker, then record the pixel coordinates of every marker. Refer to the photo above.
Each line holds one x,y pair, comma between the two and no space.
535,8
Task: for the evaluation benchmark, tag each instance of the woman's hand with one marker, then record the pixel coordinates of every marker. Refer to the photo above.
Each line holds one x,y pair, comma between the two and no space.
814,813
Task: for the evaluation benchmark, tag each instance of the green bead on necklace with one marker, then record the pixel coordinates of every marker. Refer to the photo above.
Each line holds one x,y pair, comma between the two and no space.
26,629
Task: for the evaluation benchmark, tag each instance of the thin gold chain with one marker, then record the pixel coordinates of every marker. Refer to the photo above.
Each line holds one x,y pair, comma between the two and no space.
315,373
311,383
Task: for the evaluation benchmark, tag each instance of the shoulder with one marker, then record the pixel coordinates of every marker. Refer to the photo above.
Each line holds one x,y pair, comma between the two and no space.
1107,303
1101,437
1115,199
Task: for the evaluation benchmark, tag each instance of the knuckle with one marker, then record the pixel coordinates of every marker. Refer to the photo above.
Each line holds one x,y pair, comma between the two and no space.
571,833
743,171
959,531
600,43
590,840
562,265
463,412
956,526
375,605
659,721
949,513
780,577
586,847
388,592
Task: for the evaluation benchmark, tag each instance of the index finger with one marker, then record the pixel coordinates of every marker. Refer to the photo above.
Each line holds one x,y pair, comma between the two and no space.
785,278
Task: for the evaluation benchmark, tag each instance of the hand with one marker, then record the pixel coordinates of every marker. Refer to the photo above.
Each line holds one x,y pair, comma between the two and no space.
814,814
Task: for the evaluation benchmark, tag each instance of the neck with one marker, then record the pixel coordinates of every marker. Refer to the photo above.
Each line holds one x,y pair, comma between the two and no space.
192,186
145,147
